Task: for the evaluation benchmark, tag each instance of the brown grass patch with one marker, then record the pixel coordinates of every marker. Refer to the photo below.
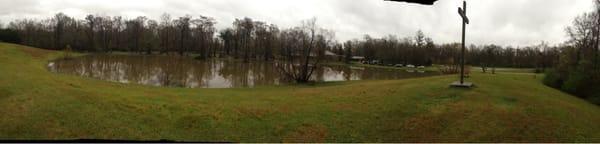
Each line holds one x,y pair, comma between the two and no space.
524,128
344,107
5,93
196,123
35,53
307,133
460,123
426,128
253,112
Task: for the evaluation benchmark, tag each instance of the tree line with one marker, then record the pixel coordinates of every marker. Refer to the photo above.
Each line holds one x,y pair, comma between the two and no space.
8,35
578,70
421,50
249,39
246,38
301,47
108,34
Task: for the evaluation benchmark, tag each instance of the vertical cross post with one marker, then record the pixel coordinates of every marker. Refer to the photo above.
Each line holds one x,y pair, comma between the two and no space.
465,20
462,53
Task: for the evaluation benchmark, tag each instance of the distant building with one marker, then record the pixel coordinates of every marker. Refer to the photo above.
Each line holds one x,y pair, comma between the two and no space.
358,58
329,55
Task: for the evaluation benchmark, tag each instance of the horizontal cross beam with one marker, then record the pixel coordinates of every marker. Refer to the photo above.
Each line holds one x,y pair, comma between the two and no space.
462,14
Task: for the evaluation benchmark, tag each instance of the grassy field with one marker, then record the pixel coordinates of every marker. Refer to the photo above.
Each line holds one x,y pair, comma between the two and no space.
506,107
507,70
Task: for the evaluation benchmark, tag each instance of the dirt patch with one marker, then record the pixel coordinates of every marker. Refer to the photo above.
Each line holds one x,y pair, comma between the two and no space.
307,133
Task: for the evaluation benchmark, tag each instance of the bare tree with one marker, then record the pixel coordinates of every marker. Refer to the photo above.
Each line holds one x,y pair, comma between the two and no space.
91,22
244,29
302,44
165,33
203,32
183,26
60,21
227,36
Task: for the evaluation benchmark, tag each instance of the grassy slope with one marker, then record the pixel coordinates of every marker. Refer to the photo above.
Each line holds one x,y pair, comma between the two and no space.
37,104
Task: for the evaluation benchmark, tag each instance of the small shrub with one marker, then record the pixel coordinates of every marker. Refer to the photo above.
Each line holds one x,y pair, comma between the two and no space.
595,98
538,70
552,79
575,82
67,52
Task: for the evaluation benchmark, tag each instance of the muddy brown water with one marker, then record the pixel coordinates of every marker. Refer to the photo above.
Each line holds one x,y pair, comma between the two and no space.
176,71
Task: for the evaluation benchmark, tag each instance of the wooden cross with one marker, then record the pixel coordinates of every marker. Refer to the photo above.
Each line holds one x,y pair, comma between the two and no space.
463,13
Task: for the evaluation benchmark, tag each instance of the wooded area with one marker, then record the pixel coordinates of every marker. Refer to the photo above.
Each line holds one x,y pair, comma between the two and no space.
249,39
421,50
578,71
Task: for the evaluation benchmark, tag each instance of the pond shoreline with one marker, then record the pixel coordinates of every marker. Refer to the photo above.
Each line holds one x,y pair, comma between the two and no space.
187,71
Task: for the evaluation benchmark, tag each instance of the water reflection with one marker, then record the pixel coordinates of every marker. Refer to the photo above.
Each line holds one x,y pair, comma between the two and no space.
186,72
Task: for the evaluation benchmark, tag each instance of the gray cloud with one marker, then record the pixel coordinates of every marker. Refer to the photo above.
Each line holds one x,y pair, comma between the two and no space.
505,22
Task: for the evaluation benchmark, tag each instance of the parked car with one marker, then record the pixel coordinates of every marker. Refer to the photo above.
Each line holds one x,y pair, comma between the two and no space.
398,65
421,67
410,66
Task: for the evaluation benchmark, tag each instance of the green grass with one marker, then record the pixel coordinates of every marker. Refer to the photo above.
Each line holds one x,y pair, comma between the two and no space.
38,104
506,70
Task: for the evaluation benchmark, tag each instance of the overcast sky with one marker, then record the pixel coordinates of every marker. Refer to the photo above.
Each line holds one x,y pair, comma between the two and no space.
504,22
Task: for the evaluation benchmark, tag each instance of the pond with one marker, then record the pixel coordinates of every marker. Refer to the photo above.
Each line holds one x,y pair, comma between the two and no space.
177,71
